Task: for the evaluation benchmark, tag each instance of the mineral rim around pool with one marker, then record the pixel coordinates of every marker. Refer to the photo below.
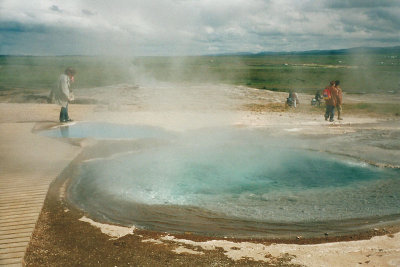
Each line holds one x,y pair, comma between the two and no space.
235,182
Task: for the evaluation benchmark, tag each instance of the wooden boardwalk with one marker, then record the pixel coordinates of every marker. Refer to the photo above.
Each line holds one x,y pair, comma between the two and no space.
28,164
21,200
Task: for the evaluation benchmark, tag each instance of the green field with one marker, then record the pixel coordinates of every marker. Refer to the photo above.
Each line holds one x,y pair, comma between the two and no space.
359,73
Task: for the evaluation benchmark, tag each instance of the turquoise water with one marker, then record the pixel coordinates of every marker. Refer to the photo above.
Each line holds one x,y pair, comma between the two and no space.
235,182
101,130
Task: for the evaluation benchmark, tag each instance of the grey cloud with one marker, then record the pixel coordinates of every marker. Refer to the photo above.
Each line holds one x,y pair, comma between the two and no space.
159,27
361,3
87,12
18,27
379,20
55,8
389,17
350,28
60,41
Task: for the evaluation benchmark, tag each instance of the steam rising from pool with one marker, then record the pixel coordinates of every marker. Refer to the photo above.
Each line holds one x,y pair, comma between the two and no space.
234,181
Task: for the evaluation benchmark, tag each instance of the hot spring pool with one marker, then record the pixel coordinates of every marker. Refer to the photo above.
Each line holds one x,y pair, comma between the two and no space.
101,130
236,182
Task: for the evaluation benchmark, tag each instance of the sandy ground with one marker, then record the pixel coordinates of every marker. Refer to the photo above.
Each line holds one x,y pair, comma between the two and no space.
57,238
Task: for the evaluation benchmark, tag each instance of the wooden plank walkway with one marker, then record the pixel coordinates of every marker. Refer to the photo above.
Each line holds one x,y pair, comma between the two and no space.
28,164
21,201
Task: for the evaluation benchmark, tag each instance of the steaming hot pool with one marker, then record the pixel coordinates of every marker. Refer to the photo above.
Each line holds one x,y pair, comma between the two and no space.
228,182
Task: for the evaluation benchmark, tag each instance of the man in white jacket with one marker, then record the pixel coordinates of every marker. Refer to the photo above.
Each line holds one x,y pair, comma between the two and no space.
62,93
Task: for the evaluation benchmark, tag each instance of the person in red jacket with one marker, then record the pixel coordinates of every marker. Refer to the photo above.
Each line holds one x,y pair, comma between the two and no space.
330,96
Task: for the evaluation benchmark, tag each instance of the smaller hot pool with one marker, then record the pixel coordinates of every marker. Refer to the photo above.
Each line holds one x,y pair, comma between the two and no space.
102,130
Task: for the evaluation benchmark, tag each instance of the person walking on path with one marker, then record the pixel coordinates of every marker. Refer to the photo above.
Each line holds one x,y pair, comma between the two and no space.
339,100
62,93
330,96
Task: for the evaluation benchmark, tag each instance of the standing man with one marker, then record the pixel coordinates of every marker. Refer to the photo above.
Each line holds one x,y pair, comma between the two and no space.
339,100
62,93
330,97
293,99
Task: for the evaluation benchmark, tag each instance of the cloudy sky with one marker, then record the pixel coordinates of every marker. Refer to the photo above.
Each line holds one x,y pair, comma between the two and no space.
194,27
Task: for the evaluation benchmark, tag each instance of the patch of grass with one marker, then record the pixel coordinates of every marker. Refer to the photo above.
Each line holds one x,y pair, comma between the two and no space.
304,73
373,108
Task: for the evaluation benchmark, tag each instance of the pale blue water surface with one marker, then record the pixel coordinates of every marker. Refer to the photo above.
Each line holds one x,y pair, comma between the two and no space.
235,182
102,130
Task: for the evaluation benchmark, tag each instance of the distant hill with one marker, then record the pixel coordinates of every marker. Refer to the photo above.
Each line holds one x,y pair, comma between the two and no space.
355,50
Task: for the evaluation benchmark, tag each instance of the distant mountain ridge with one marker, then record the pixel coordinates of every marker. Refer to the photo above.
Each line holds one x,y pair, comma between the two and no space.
354,50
